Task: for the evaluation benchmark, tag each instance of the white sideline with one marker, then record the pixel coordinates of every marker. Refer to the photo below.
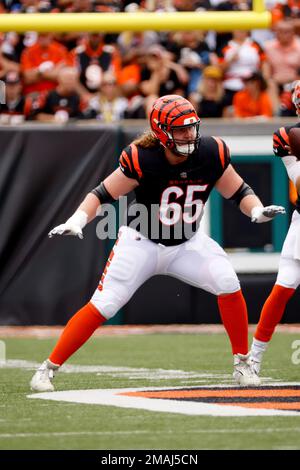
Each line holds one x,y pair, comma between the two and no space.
171,431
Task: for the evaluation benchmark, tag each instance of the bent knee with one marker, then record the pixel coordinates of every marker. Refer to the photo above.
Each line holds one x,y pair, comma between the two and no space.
289,274
227,285
108,302
224,277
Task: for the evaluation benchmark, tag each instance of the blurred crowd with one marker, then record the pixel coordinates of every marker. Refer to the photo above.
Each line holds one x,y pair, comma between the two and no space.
109,77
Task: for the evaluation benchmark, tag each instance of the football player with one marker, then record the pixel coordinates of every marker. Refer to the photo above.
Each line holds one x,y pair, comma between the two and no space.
288,278
172,170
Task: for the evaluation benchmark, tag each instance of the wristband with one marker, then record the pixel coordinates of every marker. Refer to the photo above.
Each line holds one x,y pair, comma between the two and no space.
79,218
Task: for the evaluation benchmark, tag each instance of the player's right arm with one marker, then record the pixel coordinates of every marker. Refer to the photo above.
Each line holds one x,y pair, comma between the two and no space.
115,185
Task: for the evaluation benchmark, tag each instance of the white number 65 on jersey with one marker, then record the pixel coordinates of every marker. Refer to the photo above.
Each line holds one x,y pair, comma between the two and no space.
171,212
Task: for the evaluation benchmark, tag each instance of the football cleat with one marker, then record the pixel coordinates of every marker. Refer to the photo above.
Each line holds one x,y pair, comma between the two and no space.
244,374
42,379
258,349
255,365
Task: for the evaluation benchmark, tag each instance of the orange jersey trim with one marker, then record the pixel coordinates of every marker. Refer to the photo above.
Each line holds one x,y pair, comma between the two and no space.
221,150
111,255
125,157
276,139
284,135
135,160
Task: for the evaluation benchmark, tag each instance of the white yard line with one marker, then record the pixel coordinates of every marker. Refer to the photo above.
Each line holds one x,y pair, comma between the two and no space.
121,372
135,373
171,431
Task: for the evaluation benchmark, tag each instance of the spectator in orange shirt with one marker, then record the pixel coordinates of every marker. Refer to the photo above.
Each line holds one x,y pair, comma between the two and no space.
41,63
130,78
133,47
253,100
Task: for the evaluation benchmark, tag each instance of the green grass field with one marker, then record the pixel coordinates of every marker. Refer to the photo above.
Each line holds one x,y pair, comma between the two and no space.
43,424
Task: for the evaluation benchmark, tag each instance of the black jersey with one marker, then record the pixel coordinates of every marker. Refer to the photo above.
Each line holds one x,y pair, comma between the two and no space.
280,141
56,102
170,198
14,108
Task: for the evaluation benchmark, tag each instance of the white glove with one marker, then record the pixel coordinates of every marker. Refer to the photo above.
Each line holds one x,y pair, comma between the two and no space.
73,226
265,214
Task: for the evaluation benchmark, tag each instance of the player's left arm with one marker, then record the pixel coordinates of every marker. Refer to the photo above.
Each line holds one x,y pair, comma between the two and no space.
231,186
290,158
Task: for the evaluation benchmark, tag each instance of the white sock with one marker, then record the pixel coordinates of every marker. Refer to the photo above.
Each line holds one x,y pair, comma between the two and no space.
257,349
51,365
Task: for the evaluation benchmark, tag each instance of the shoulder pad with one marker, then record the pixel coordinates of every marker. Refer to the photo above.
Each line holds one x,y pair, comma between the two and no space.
129,162
280,140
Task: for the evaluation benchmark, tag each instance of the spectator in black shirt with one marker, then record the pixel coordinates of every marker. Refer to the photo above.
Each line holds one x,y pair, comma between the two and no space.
94,58
17,108
210,101
161,76
64,102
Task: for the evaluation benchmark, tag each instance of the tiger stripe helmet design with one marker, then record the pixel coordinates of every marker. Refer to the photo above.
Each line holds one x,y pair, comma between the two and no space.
170,113
296,96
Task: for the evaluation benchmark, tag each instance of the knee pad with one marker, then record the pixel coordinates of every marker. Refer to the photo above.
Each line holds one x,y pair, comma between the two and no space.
228,285
288,273
225,280
108,301
121,280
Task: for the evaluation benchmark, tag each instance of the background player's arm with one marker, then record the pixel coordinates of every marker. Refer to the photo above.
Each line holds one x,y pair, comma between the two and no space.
292,165
231,186
291,159
114,186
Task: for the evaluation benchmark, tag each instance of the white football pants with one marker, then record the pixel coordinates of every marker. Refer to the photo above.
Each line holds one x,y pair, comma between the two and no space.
200,262
289,264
